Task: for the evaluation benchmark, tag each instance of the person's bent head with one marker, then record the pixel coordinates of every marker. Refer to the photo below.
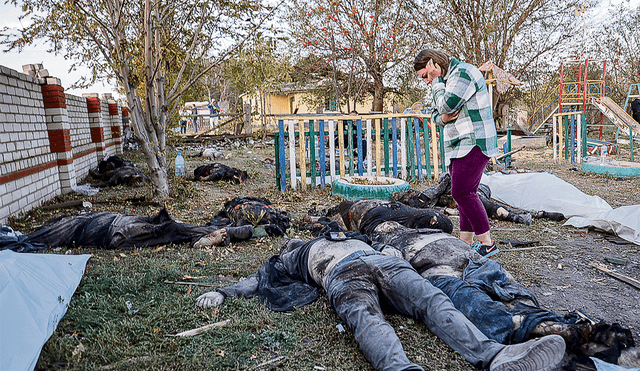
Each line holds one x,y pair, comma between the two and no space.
421,61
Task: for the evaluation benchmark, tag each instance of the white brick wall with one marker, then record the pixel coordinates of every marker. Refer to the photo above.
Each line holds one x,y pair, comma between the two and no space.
24,143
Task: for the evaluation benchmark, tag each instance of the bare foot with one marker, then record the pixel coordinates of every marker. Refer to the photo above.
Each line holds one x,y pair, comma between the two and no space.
212,239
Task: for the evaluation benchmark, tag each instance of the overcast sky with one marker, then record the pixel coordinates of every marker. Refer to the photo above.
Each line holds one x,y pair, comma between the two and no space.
59,67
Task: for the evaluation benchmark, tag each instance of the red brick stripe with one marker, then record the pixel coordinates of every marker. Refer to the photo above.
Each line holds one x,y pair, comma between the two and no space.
125,111
82,154
113,109
93,105
53,96
97,135
26,172
59,140
115,132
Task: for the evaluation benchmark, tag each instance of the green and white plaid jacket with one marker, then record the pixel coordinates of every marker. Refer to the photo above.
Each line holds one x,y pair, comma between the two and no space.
464,89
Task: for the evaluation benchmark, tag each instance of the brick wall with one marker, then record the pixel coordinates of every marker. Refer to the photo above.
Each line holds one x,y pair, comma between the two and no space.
49,139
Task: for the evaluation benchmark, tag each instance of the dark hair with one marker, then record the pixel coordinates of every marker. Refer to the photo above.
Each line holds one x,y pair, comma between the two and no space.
439,57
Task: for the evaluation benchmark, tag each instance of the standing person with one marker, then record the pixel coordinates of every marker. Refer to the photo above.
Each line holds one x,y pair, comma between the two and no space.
463,107
183,126
635,108
214,109
194,112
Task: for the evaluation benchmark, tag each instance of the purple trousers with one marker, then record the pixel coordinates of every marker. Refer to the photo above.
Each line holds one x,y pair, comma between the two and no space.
465,179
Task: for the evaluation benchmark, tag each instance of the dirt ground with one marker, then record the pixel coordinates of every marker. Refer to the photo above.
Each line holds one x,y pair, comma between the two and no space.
557,269
565,279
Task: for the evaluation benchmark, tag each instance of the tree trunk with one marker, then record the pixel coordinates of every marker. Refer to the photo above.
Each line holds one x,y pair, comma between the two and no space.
378,93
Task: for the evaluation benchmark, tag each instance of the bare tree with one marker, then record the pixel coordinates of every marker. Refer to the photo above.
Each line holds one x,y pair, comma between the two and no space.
154,49
374,37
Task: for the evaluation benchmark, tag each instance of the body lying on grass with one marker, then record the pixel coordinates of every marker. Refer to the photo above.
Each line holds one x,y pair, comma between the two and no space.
440,195
117,231
219,172
114,171
359,282
362,216
256,211
502,308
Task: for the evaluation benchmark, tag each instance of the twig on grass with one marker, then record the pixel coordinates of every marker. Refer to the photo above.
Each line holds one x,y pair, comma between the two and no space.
202,329
276,361
191,283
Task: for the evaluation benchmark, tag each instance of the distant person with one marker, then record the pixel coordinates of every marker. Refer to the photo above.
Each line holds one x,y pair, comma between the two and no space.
463,108
635,108
194,112
214,110
183,126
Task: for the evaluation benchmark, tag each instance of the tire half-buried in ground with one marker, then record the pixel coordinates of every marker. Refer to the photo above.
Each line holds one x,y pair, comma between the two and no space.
363,187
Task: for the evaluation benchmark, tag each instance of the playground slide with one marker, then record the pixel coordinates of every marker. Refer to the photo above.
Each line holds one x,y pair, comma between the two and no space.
617,115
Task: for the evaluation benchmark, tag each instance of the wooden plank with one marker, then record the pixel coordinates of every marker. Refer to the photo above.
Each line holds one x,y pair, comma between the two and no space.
427,152
281,158
312,154
411,160
341,147
323,170
387,171
369,148
359,146
332,150
351,144
434,148
626,279
416,127
292,155
376,131
403,148
394,143
202,329
303,157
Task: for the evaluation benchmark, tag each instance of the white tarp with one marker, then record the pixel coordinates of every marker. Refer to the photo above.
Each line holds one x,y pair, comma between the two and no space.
543,191
623,221
35,290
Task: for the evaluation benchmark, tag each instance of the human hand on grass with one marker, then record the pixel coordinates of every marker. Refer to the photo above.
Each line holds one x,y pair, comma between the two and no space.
210,300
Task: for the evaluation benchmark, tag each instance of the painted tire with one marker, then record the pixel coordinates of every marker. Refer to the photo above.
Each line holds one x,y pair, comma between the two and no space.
622,169
353,192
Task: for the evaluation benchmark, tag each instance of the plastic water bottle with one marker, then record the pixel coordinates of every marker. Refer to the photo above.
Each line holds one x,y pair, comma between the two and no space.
179,164
603,154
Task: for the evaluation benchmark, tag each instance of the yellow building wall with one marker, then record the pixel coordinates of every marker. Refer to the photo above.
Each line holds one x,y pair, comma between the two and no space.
279,104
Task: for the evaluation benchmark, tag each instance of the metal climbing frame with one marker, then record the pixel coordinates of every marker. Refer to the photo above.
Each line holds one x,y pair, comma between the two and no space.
575,94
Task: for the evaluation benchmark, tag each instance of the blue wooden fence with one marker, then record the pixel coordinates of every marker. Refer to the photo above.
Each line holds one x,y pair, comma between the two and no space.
316,150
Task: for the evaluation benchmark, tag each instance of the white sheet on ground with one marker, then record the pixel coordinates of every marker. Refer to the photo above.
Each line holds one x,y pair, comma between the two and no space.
35,290
623,221
605,366
543,191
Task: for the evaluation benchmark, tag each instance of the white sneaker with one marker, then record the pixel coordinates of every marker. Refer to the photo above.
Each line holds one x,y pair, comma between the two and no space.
541,354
